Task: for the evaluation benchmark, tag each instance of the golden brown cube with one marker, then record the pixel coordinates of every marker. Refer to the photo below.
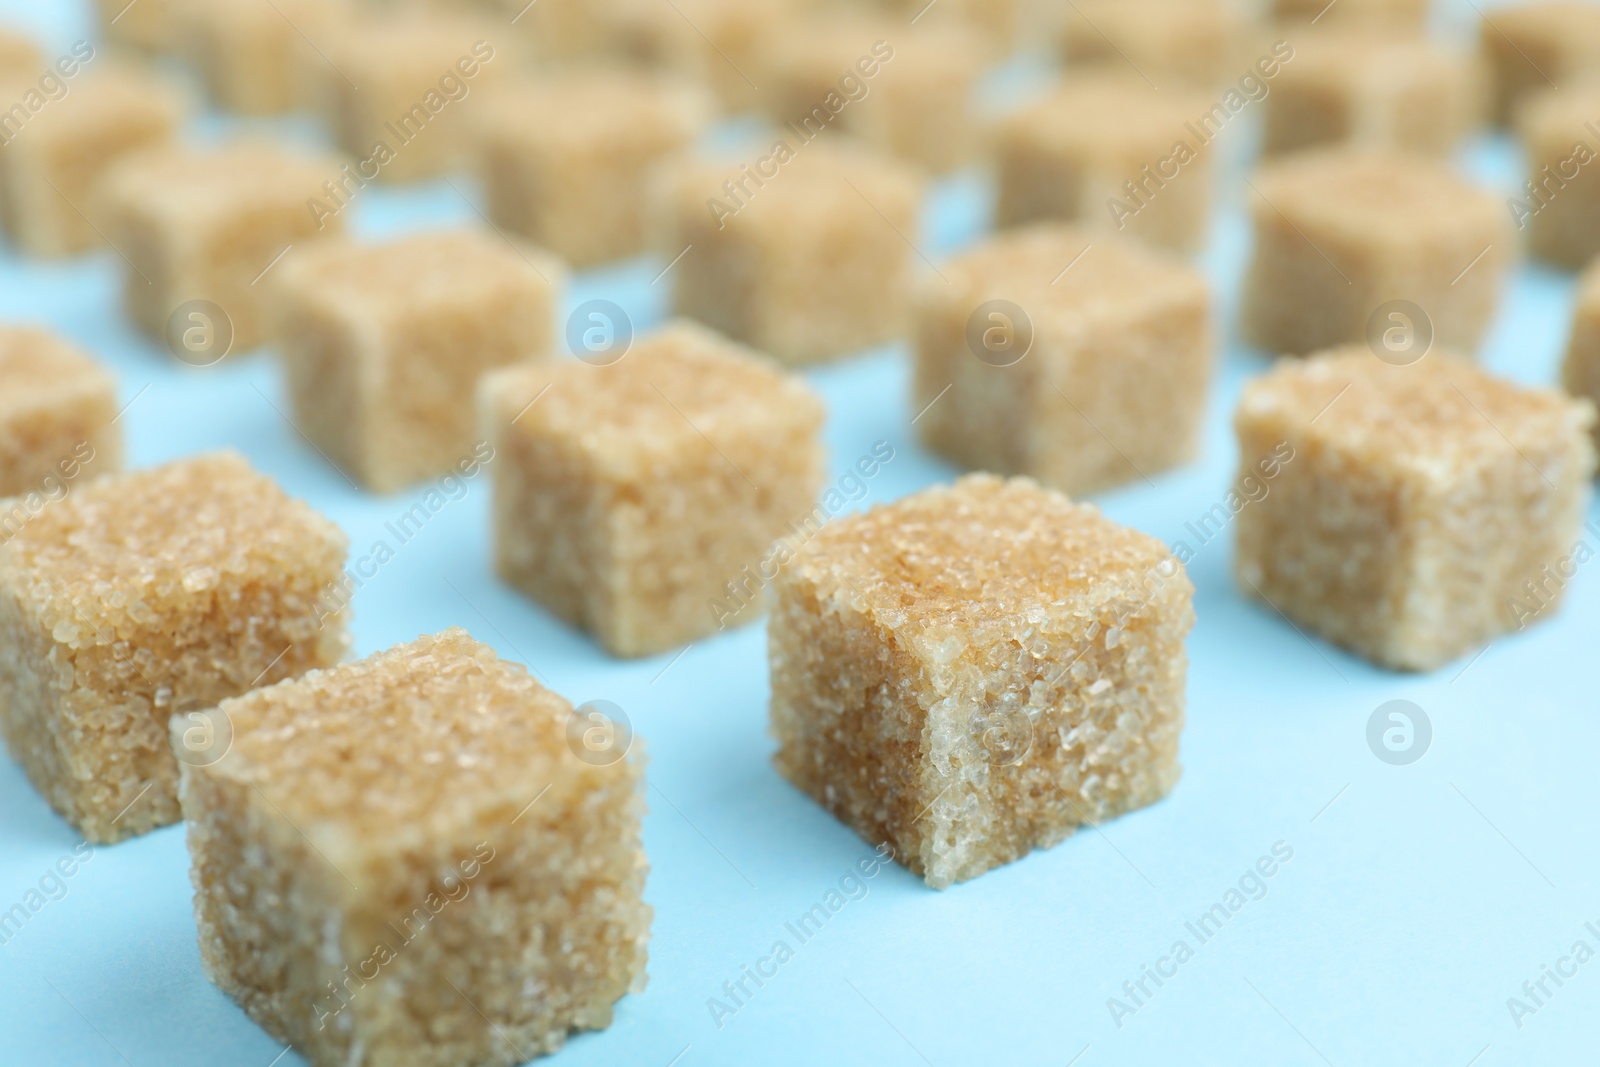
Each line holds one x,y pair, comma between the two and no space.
209,224
1580,372
1169,43
566,158
51,167
384,345
1369,88
20,58
147,26
58,411
406,860
253,54
803,251
146,595
401,90
1559,205
1417,508
636,499
975,671
1108,152
718,43
1078,359
1532,47
906,90
1340,233
1391,14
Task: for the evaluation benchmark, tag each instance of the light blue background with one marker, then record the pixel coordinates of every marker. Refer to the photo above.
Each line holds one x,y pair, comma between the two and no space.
1417,901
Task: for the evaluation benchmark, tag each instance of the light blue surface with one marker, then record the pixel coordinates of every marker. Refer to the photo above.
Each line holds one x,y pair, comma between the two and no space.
1418,898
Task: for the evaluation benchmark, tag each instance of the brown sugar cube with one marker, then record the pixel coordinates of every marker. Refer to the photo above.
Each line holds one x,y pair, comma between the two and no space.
803,251
997,22
58,411
146,595
417,859
252,54
1559,205
977,670
1109,152
565,158
640,500
146,26
384,345
19,57
1392,14
906,90
1171,43
1079,360
1580,372
718,43
1415,507
1372,89
1342,232
561,30
208,224
1532,47
50,169
401,90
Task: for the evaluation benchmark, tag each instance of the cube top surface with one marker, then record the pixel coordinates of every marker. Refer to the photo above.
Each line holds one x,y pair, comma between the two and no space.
1108,111
1109,277
1387,198
823,184
105,98
179,182
105,560
1440,417
983,552
415,736
444,269
679,386
583,106
36,365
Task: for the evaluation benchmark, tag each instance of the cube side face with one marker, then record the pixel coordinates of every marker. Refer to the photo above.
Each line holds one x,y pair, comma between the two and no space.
233,255
834,284
1036,182
1565,228
540,926
249,56
1124,400
326,362
720,281
1580,370
45,445
551,539
851,734
422,419
1081,726
691,550
972,413
1295,300
50,180
1433,273
1305,111
264,902
1329,546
